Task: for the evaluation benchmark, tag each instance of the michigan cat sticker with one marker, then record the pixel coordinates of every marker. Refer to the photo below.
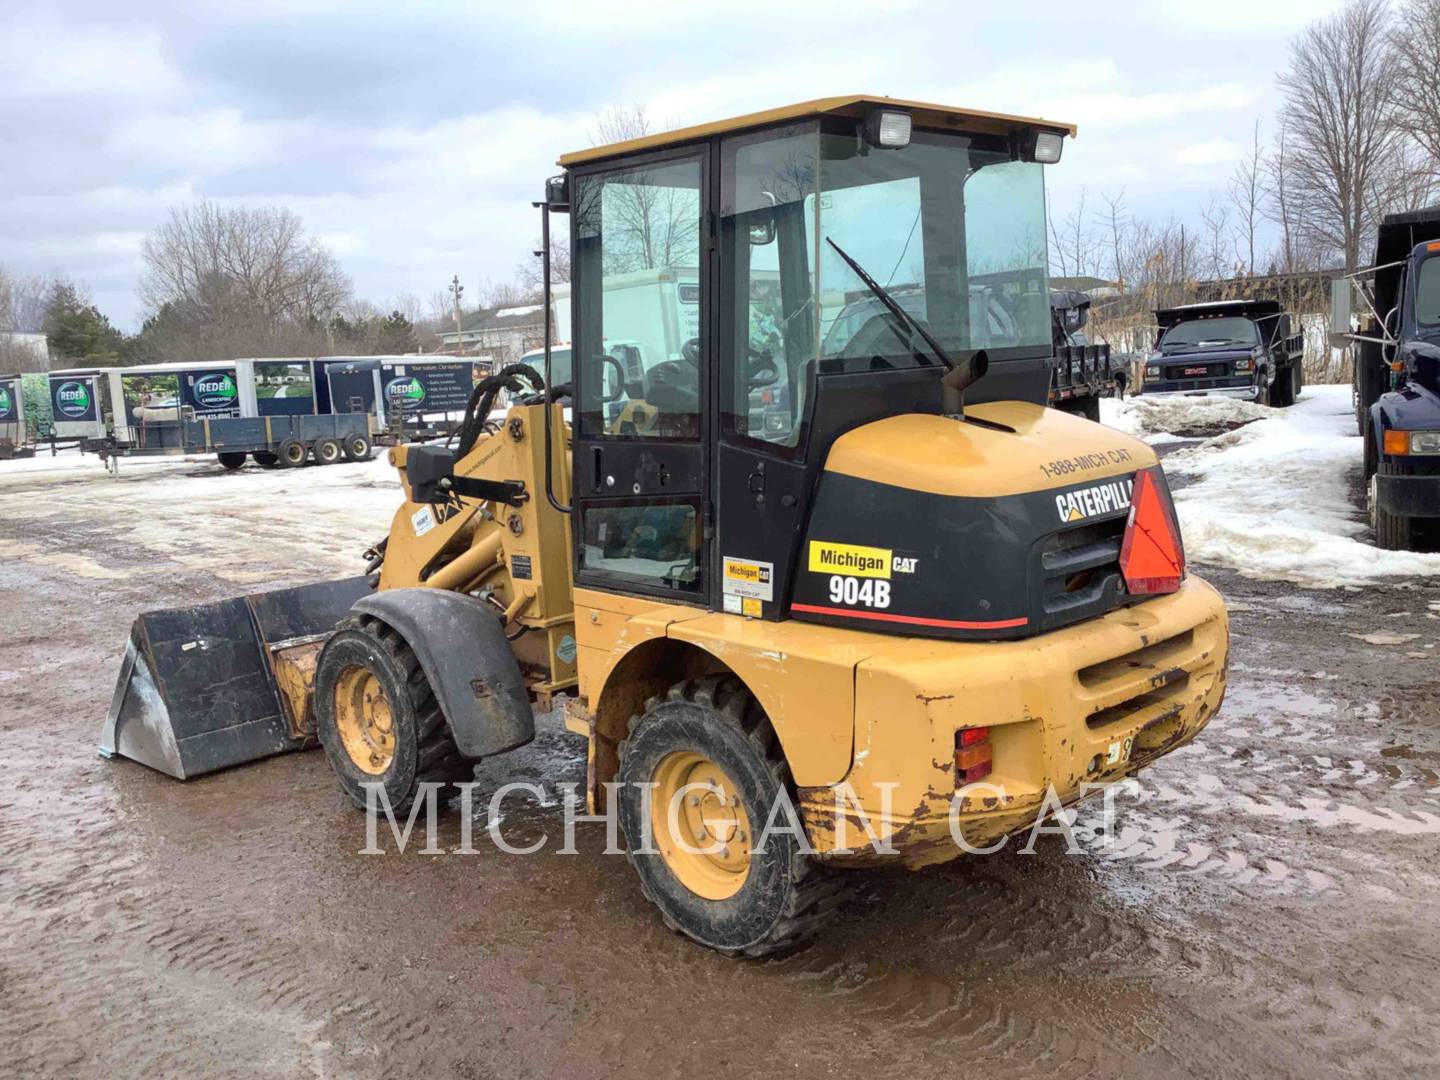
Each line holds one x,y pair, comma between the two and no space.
1099,500
749,579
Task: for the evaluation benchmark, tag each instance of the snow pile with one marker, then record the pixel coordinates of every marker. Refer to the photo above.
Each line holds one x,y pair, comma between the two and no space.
1273,499
44,462
1168,419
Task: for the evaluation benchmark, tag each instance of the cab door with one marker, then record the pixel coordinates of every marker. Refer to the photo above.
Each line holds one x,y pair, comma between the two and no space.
642,408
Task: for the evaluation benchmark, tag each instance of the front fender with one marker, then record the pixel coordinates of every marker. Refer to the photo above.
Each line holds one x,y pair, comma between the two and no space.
460,643
1412,408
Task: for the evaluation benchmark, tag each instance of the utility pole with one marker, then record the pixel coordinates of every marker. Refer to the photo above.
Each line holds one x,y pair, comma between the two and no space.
455,290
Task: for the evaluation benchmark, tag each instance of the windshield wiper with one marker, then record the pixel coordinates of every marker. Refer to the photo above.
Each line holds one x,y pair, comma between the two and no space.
959,373
906,319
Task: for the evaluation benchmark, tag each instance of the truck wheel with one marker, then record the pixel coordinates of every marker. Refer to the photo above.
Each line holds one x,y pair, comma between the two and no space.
232,460
1270,395
377,716
265,459
1393,532
712,755
291,453
357,448
326,451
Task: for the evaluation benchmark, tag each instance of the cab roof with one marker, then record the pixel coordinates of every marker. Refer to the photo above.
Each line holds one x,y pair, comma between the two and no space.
854,105
1249,309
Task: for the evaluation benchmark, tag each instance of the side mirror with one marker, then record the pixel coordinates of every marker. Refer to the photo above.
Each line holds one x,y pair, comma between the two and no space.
762,228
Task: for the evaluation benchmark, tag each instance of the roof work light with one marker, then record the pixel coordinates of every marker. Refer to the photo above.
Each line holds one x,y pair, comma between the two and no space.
887,128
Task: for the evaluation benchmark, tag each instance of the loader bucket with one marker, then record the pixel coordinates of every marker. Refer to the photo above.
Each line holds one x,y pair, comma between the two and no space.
206,687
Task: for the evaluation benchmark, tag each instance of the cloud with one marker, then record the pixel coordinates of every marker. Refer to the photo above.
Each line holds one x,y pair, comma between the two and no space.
413,139
1211,152
1227,17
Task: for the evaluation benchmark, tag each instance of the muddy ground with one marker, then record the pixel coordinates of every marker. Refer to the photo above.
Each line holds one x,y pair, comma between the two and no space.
1269,906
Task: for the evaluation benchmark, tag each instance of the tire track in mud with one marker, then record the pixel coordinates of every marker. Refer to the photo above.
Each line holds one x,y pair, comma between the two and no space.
144,947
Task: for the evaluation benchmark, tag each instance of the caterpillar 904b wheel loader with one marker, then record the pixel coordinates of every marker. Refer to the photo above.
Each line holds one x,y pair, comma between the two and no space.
780,554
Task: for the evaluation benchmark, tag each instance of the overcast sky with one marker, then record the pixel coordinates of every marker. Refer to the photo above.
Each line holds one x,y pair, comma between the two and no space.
412,137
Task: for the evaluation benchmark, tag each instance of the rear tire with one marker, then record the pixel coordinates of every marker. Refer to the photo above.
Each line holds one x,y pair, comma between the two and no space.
377,716
326,451
265,459
291,453
357,448
1282,390
231,460
740,902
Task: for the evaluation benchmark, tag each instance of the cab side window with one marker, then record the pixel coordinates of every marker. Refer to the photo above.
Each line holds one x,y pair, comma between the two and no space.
637,275
767,237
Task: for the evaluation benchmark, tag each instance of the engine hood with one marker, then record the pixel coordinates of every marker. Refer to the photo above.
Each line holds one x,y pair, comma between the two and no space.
1004,525
1002,448
1199,356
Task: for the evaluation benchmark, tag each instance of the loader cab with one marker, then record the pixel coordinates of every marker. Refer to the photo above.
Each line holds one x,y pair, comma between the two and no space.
693,469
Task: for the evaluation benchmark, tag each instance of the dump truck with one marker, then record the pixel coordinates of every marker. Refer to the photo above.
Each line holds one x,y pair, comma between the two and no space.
921,613
1084,373
1390,312
1245,349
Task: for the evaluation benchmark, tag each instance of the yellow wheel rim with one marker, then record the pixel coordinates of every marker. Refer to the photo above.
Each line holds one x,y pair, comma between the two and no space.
700,825
364,720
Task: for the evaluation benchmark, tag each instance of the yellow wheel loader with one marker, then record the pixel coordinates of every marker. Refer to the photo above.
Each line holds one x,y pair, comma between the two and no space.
819,590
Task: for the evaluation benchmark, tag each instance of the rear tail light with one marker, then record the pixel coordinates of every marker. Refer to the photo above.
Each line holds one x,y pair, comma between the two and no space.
972,755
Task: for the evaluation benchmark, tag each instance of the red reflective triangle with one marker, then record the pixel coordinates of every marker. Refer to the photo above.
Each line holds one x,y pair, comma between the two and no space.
1152,558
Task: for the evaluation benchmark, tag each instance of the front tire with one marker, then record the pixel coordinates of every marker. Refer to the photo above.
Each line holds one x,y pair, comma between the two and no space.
1393,532
711,735
377,716
231,460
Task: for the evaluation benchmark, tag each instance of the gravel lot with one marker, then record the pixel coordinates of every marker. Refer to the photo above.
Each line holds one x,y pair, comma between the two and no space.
1268,908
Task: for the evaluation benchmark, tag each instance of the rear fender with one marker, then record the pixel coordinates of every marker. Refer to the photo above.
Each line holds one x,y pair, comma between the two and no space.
460,643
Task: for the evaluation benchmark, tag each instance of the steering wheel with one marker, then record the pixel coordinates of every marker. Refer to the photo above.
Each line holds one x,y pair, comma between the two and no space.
767,373
691,351
882,334
674,386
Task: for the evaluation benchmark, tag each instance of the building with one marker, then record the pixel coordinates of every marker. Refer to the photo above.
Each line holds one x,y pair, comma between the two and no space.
506,333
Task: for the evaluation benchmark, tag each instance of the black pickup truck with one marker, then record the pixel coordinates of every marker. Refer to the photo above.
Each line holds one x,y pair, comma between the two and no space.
1230,348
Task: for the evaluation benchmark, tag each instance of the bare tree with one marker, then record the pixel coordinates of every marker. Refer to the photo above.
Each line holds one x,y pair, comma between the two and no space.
1215,240
236,281
528,273
1342,130
1059,266
22,302
1115,220
1415,87
648,222
1247,192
